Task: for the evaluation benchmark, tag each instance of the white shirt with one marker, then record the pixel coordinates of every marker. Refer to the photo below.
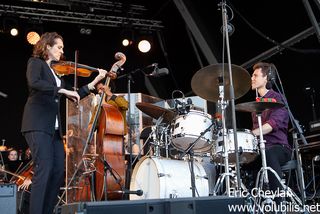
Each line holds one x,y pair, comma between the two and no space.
58,82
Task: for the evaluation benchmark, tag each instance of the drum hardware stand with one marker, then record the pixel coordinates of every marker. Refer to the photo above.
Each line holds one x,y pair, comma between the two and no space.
189,151
166,141
226,175
264,175
156,143
153,135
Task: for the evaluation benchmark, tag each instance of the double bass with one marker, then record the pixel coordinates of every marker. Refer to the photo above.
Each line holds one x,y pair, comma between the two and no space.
110,164
109,140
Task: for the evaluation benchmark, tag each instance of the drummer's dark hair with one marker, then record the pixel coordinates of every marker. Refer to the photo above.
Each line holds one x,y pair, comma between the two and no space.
40,48
267,69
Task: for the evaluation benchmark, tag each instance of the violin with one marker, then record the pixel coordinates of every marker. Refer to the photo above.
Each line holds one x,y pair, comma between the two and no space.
62,68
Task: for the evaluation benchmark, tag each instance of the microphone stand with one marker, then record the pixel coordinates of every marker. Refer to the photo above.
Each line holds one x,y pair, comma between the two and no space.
129,122
232,97
189,151
107,168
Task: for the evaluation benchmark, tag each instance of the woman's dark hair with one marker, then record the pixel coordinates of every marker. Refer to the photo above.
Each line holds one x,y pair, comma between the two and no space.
40,48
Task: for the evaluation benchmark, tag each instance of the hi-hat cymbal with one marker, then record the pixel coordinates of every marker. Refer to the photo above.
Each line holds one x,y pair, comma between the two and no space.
257,106
156,111
205,82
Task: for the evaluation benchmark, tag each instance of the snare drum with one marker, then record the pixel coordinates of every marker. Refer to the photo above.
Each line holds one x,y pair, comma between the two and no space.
187,128
247,147
165,178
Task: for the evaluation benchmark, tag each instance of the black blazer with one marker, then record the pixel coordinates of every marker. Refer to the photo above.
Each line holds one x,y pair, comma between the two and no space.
43,103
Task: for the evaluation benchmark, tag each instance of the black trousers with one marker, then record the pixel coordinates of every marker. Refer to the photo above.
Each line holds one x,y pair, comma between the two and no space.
48,156
276,156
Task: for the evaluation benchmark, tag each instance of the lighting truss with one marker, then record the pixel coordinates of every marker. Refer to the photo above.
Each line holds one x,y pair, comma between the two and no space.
85,18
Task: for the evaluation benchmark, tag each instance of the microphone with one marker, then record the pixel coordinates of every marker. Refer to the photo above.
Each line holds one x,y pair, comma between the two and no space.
158,72
155,65
138,192
183,104
316,158
3,95
189,101
230,29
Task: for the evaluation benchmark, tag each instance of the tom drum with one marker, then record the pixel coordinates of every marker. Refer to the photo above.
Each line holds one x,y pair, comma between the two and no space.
247,147
187,128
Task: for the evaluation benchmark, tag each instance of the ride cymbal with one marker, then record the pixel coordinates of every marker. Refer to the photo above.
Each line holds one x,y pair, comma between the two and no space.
156,111
257,106
205,82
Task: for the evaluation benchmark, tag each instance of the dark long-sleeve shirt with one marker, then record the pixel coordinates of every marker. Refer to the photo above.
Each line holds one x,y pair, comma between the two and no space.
277,118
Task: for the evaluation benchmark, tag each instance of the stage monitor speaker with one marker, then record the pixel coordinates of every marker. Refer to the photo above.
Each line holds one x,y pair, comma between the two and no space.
201,205
8,198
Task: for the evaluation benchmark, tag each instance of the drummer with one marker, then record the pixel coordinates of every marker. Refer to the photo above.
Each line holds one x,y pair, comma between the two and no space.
274,123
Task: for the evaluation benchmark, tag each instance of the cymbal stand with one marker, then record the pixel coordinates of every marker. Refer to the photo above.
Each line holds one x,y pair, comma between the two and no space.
153,137
166,139
156,141
224,176
262,177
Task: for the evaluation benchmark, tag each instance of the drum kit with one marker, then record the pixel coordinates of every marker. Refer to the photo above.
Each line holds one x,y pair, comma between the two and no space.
195,134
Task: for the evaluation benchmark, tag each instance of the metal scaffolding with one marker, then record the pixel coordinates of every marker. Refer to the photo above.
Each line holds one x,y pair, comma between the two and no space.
95,14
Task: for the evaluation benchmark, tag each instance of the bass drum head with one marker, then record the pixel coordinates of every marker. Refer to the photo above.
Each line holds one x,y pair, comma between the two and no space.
165,178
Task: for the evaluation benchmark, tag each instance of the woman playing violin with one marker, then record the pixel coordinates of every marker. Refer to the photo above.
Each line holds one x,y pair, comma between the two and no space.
41,122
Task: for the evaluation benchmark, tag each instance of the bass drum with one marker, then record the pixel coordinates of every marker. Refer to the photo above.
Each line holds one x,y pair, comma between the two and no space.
165,178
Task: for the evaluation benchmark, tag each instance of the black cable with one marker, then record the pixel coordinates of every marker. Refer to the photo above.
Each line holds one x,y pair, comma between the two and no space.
303,51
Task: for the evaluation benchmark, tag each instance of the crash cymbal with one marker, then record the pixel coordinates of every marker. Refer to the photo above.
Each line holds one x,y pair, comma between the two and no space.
156,111
205,82
257,106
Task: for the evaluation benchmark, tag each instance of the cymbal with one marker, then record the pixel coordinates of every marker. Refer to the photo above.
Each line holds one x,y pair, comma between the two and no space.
257,106
205,82
156,111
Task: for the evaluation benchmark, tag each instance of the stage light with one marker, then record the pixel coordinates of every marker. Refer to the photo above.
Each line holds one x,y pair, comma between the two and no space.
126,42
33,37
144,46
86,31
10,25
14,31
127,36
